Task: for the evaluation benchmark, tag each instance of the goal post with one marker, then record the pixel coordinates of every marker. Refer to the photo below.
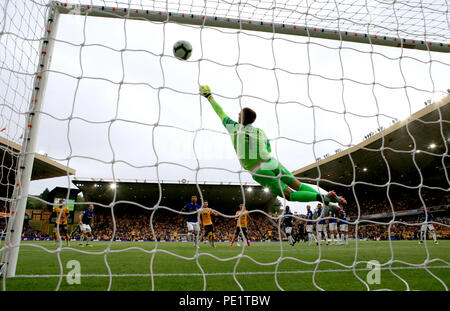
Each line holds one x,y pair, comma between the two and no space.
26,156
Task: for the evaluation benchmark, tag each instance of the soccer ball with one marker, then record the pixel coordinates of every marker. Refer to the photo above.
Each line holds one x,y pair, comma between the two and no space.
182,50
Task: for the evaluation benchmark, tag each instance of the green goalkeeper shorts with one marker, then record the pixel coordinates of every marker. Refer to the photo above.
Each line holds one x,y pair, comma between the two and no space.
274,176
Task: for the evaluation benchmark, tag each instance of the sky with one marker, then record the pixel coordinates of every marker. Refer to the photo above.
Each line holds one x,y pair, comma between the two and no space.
136,113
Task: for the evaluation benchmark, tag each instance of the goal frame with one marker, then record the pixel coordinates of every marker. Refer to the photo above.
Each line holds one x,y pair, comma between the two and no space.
245,24
26,156
28,149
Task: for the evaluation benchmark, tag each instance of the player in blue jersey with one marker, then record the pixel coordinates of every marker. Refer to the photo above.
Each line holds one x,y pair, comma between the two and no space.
298,231
425,218
310,225
332,225
192,220
343,226
86,224
287,221
321,226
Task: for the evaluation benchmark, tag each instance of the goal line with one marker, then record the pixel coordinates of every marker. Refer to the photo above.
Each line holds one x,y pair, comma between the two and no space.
228,273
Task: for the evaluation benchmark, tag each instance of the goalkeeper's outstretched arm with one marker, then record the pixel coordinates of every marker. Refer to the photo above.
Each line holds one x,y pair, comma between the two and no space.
206,92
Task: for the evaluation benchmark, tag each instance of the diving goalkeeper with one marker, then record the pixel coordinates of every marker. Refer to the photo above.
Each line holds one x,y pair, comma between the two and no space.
253,150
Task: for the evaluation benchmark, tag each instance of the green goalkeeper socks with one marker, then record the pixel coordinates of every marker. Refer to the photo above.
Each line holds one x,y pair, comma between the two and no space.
305,193
303,196
305,187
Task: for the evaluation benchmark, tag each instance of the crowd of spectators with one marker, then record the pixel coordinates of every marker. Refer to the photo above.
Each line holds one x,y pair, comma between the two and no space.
170,226
404,230
30,233
379,206
27,232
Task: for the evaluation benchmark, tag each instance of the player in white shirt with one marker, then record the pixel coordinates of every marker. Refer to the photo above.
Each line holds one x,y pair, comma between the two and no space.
343,226
191,220
86,223
332,226
321,226
425,218
310,226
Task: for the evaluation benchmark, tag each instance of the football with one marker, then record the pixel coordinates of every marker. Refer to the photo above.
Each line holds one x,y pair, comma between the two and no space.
182,50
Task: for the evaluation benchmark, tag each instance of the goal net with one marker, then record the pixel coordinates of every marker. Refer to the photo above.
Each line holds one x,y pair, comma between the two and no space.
352,96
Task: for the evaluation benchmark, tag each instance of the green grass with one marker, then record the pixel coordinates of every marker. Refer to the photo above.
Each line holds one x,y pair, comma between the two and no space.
294,266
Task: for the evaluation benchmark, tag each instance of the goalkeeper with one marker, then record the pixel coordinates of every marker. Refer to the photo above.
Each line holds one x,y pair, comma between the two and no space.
253,150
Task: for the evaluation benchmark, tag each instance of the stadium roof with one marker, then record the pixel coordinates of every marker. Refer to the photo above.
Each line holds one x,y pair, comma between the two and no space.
43,167
403,153
224,197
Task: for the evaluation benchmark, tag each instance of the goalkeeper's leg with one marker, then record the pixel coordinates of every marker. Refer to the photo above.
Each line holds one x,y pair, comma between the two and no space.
276,177
289,179
279,188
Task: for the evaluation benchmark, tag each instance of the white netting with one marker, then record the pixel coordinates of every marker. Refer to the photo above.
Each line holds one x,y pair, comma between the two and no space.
21,30
119,106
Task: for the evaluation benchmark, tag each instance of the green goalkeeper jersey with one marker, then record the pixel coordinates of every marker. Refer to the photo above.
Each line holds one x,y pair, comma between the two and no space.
250,143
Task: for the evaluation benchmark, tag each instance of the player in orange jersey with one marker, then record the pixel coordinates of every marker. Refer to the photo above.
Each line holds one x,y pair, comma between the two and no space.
62,214
206,214
242,218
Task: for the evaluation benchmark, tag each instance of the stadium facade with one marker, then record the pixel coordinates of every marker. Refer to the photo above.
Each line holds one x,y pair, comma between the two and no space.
224,197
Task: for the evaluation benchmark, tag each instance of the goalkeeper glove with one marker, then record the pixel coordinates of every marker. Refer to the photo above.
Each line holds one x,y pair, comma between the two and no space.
206,92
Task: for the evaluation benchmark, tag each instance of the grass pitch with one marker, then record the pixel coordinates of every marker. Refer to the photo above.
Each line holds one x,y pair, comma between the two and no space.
264,266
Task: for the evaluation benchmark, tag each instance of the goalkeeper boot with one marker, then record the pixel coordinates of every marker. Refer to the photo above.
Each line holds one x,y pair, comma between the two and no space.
332,197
